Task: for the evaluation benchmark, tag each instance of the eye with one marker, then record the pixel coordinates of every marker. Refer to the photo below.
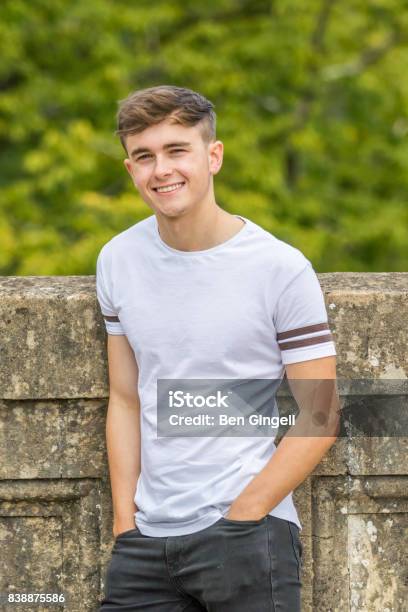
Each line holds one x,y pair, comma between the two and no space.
177,150
142,157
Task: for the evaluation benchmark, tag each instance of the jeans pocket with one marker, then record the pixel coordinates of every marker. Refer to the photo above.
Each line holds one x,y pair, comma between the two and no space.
247,522
300,550
296,544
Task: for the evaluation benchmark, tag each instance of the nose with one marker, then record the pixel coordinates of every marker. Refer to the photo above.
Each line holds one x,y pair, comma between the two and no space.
162,168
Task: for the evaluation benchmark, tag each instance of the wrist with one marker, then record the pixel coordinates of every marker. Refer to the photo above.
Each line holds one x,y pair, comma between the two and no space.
124,517
123,525
246,509
124,512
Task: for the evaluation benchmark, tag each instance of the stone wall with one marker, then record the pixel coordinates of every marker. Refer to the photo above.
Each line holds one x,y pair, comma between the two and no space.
55,509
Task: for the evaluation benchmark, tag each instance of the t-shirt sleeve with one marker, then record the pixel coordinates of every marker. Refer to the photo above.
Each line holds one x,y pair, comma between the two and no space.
112,323
301,320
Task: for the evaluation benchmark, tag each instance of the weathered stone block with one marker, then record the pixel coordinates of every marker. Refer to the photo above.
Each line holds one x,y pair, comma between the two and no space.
55,506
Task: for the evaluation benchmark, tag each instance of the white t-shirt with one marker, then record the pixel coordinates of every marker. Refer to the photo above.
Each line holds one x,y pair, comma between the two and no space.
239,310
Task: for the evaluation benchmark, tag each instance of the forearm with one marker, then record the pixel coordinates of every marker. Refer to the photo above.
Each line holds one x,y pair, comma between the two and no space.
123,446
299,452
294,459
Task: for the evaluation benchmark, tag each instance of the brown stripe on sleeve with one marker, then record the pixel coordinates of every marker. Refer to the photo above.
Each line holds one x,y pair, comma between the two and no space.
302,330
114,319
305,342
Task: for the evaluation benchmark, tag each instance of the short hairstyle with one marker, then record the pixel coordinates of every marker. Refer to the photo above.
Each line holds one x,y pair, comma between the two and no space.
147,107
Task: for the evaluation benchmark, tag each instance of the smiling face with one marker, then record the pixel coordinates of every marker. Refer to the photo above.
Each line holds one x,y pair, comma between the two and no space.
172,167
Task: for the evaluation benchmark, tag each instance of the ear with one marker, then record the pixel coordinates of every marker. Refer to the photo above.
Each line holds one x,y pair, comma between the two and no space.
128,165
215,154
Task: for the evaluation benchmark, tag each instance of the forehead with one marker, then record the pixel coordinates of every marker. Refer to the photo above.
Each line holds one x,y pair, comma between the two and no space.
156,137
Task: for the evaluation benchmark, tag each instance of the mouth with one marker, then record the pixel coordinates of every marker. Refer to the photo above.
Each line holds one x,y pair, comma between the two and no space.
165,189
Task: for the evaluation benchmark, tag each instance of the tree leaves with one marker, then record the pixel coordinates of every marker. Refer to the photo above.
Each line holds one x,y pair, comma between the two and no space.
311,106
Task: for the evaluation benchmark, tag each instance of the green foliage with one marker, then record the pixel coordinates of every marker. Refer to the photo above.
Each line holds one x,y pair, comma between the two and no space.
311,101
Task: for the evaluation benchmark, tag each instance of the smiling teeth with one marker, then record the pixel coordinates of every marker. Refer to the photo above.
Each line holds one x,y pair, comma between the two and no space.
169,188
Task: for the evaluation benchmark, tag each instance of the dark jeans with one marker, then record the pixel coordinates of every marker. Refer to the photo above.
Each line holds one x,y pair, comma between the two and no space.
231,566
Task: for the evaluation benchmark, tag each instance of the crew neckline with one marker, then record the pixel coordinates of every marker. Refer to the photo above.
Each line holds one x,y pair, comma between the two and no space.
209,251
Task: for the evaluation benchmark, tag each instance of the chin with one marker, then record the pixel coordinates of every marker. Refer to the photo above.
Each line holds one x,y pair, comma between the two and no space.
172,212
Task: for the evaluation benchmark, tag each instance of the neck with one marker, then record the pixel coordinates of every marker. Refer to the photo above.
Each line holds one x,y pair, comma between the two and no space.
200,229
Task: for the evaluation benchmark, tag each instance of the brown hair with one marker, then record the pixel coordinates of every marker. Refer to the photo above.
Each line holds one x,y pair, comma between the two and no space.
146,107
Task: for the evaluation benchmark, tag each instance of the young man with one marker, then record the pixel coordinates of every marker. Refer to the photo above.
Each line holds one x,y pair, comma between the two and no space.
193,292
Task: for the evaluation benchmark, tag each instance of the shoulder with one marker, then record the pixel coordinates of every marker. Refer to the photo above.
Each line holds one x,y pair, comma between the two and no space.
134,236
279,256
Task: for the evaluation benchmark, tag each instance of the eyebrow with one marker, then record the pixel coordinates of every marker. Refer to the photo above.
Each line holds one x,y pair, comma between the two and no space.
170,145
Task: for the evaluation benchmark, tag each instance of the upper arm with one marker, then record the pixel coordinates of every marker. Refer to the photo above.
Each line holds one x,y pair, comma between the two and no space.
322,368
104,295
314,388
123,371
122,366
302,328
308,351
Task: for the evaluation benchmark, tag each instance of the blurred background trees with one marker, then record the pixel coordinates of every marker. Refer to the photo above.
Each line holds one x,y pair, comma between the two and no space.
311,100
